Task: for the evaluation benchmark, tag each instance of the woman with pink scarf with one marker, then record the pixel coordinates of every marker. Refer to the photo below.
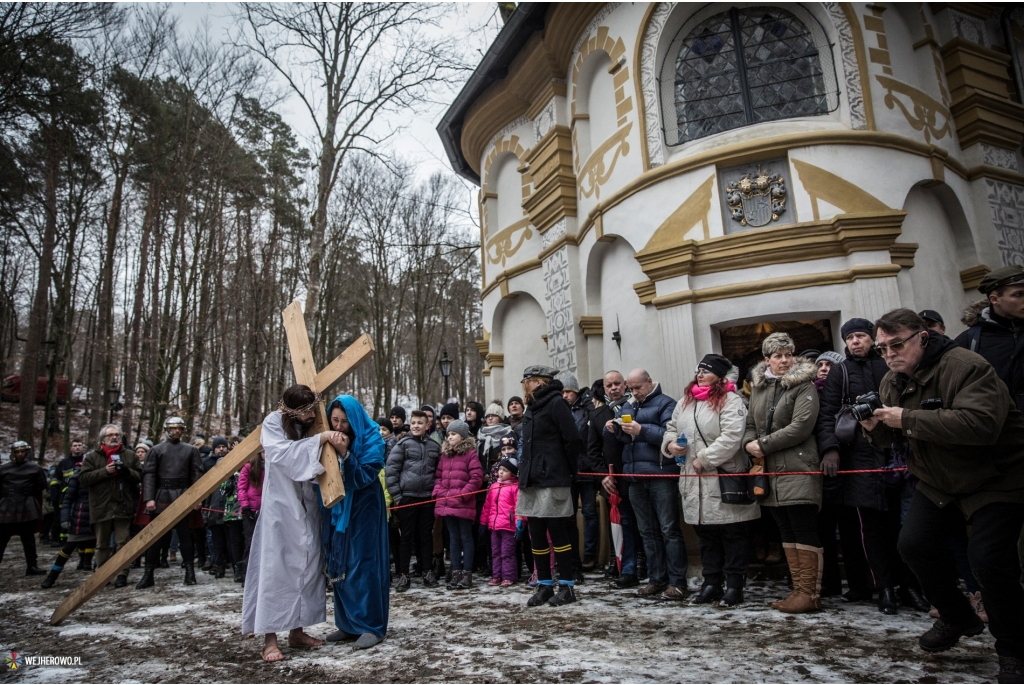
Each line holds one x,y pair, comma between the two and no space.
713,418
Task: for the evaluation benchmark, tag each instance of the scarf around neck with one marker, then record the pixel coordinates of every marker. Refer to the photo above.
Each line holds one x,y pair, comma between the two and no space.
701,394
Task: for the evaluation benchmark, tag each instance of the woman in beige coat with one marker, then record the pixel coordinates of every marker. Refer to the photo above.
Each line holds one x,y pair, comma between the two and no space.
780,435
713,418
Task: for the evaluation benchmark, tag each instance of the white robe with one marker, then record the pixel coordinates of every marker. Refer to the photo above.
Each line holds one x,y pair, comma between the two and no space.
285,587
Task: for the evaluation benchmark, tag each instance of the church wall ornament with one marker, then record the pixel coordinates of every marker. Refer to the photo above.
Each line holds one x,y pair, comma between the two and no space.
1006,202
755,195
820,184
923,112
506,243
598,168
561,323
999,157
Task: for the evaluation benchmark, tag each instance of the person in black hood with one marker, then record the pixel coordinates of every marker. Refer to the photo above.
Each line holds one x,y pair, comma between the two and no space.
550,453
876,508
22,482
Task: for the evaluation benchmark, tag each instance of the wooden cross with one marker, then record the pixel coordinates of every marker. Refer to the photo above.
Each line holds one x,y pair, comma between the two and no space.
331,486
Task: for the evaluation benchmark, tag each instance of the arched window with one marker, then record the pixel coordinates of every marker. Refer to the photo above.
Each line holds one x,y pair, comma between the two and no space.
749,65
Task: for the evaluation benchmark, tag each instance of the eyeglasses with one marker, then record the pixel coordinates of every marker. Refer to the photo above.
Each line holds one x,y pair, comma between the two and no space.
702,372
898,345
112,435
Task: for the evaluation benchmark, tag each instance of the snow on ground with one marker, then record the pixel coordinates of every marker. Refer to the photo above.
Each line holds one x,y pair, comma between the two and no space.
174,633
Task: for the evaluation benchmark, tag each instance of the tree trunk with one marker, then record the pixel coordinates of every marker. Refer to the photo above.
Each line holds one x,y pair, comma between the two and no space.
133,361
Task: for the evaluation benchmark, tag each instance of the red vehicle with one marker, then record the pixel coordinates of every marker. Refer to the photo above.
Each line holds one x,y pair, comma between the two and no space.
12,389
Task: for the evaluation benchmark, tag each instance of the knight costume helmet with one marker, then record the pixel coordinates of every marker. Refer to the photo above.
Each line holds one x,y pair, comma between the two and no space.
19,445
174,422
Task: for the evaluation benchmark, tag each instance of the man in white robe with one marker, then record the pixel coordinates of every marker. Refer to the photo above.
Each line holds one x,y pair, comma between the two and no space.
285,587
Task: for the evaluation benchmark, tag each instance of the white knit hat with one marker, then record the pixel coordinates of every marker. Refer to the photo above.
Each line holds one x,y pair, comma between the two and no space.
495,409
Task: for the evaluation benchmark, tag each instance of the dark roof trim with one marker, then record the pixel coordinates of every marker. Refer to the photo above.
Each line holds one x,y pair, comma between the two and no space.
527,18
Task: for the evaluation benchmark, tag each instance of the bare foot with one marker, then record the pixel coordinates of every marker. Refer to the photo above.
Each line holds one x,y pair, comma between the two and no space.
272,653
302,641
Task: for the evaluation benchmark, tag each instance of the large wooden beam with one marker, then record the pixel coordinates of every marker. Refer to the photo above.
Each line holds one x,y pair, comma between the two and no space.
353,356
159,526
332,488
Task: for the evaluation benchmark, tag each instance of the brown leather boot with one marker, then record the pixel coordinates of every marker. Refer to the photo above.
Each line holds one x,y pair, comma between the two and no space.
813,565
793,560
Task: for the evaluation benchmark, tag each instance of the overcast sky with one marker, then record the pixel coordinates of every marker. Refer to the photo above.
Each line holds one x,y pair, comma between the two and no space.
475,23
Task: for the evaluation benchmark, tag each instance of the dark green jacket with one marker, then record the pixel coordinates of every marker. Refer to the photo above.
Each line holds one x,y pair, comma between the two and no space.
111,497
971,450
790,446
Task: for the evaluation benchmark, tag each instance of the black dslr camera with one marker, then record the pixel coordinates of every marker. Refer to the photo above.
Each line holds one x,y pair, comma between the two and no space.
866,405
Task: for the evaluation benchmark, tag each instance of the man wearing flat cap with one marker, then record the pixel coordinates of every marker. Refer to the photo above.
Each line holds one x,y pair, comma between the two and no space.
995,327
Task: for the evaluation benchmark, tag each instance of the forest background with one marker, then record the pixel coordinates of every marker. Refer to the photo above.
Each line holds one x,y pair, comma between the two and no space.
172,176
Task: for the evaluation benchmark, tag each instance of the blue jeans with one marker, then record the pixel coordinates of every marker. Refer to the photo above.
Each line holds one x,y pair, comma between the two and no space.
628,537
656,505
591,526
460,539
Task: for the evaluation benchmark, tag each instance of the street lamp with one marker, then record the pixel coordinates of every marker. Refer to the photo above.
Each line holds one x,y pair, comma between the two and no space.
113,397
446,370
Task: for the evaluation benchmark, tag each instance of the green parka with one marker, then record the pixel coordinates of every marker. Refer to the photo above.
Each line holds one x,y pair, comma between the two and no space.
790,446
969,450
111,496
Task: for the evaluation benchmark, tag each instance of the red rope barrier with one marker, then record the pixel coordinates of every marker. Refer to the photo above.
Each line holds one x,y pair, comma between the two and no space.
745,475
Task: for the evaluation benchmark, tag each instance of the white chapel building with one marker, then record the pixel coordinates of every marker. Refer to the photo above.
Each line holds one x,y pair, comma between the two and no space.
662,180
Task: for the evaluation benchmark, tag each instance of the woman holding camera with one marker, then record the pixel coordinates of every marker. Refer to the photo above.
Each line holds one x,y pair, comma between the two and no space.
870,503
780,437
713,418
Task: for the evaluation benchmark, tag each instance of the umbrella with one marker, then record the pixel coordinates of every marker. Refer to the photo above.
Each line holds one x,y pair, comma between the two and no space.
616,522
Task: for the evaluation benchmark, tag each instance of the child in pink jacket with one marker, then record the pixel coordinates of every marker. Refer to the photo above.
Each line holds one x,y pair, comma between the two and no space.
499,515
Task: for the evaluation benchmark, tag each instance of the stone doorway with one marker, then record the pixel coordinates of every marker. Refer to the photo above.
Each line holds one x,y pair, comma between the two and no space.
742,344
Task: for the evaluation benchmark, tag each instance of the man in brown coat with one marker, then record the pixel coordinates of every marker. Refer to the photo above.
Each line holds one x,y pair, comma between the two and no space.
966,445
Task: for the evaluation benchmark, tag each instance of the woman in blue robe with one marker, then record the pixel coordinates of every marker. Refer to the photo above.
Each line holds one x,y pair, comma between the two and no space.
355,531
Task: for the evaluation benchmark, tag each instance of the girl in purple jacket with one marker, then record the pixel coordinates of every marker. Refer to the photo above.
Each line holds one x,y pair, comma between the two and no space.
459,475
499,515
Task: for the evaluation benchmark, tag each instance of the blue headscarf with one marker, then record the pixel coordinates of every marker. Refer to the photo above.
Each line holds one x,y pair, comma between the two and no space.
368,447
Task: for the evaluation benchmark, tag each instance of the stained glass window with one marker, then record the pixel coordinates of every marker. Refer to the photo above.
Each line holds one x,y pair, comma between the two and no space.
745,66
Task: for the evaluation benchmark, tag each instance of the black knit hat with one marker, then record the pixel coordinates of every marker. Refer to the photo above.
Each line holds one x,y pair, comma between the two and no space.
510,463
716,364
399,412
385,423
451,409
514,398
858,326
219,441
509,440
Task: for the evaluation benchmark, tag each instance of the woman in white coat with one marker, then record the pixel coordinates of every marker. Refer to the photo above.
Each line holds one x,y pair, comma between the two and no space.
713,418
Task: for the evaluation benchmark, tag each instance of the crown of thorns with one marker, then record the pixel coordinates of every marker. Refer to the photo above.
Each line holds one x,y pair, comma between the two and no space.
296,413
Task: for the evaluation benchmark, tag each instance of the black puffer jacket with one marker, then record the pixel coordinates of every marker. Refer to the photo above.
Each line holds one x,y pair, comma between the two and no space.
75,509
21,491
1000,341
551,441
866,490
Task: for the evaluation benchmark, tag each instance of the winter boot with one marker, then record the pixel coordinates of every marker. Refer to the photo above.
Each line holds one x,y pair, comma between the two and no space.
793,560
565,595
437,565
541,596
218,571
121,580
429,579
239,569
51,577
147,579
711,591
403,583
34,570
465,582
452,580
641,566
85,561
887,602
733,590
164,562
775,553
612,570
190,575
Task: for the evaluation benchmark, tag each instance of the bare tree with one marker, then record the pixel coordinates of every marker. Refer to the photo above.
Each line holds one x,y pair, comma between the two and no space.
348,63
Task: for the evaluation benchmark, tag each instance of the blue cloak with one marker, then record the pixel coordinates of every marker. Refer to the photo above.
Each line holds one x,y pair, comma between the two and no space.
355,531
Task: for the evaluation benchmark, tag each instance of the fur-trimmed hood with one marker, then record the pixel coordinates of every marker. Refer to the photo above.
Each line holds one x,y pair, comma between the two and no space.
975,313
466,445
803,371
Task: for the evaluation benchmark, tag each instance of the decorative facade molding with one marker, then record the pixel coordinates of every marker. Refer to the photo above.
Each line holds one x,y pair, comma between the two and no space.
601,15
561,324
980,86
545,121
971,278
648,69
598,168
591,326
999,157
554,181
903,254
1006,202
557,230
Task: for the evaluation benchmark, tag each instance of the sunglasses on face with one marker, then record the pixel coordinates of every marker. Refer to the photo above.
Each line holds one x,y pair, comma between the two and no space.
898,345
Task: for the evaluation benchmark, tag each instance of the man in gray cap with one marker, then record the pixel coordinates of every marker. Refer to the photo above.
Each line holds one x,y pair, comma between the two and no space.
996,327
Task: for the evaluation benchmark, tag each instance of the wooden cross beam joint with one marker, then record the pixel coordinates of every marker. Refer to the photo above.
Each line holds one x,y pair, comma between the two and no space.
332,488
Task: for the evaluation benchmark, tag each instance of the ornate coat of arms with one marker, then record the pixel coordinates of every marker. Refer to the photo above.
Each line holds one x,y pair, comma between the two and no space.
757,200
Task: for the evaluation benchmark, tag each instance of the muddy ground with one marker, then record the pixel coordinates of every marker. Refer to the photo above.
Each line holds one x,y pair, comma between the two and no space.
173,634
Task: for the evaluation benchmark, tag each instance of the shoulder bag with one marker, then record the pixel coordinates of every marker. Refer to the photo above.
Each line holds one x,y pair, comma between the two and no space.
846,424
